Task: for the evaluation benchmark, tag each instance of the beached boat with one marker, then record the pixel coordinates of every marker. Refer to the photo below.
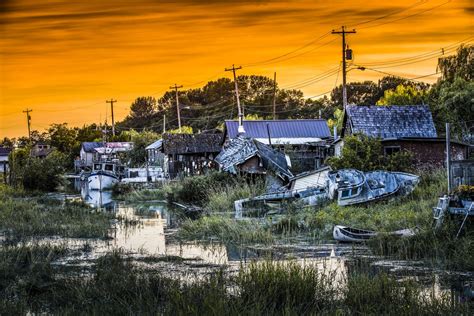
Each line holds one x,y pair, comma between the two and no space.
104,175
354,187
349,234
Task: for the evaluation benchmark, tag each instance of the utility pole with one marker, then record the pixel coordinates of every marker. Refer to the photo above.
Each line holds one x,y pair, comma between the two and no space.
448,155
241,116
164,123
344,89
28,121
176,87
274,94
112,101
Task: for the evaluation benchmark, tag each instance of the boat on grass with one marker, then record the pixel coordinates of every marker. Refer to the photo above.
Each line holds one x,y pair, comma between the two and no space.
352,186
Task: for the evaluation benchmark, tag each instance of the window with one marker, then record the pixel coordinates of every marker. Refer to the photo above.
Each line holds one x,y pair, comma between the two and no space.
390,150
97,166
109,167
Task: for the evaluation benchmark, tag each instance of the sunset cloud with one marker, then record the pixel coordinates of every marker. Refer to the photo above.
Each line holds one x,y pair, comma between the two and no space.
62,56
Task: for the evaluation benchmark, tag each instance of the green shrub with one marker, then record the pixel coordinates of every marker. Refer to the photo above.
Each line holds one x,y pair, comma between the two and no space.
366,153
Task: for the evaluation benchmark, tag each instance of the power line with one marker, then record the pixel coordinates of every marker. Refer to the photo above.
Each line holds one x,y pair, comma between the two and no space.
408,16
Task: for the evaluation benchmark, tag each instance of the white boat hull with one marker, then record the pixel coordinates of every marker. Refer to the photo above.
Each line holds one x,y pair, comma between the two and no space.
347,234
101,181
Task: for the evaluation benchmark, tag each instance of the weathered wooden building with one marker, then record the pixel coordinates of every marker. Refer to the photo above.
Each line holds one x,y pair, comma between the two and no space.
401,128
307,142
4,152
154,152
190,154
41,150
243,155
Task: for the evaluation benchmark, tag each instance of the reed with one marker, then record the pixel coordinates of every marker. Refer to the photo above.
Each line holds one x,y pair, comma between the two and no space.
117,286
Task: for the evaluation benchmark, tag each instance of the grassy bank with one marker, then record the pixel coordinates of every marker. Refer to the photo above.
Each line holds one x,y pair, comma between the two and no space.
22,217
117,286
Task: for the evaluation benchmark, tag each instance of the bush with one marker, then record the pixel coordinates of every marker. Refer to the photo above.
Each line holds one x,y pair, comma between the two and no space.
366,153
36,174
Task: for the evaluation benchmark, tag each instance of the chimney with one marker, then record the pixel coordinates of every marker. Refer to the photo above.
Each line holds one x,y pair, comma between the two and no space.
335,131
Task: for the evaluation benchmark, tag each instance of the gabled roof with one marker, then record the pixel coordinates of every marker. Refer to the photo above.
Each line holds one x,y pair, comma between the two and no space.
281,129
155,145
192,143
89,147
391,121
241,149
5,151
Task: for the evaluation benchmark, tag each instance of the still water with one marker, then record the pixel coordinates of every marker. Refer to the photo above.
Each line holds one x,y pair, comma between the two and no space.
148,229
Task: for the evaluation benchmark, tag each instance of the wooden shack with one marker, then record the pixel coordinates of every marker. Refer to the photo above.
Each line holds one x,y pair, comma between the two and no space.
190,154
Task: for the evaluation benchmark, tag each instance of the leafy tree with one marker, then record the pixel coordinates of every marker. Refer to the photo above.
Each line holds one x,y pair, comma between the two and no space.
7,142
366,153
451,98
142,107
62,138
140,141
37,174
403,95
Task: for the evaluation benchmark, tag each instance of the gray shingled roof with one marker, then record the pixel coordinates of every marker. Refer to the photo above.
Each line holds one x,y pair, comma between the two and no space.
241,149
392,122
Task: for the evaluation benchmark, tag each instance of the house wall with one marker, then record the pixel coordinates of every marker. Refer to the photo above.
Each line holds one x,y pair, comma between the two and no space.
311,180
252,165
189,165
429,152
462,173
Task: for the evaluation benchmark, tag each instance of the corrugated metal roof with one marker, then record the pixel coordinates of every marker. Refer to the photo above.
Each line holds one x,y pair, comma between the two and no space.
316,128
392,121
155,145
89,147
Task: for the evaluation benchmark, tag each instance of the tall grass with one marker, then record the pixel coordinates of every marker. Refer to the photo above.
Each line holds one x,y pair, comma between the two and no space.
117,286
37,216
224,229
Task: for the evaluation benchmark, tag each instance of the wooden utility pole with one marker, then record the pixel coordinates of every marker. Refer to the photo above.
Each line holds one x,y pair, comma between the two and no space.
274,94
28,121
176,87
164,123
112,101
344,89
241,116
448,156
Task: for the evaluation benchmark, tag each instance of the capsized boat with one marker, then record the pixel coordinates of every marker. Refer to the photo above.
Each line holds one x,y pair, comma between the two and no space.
350,234
105,175
354,187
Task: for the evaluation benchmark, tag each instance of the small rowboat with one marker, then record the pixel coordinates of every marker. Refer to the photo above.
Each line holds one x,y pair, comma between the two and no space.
349,234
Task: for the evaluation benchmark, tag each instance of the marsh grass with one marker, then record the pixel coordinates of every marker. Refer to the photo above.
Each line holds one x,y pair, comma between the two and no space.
38,216
225,229
117,286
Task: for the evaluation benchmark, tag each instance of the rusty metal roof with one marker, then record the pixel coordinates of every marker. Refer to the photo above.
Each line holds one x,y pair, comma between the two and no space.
392,121
314,128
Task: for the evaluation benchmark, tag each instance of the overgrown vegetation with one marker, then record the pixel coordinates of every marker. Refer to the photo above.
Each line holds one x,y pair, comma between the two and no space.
366,153
117,286
224,229
36,216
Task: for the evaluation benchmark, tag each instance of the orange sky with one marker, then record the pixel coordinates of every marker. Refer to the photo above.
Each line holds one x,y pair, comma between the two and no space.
64,59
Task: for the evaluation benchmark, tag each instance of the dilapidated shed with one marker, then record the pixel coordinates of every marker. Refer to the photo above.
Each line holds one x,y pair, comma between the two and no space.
401,128
306,141
243,155
190,154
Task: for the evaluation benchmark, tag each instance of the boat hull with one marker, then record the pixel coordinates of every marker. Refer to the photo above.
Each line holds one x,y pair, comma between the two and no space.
347,234
101,181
